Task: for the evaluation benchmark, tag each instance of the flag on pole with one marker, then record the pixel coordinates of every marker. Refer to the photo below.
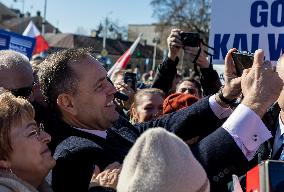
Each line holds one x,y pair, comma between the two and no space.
121,63
41,44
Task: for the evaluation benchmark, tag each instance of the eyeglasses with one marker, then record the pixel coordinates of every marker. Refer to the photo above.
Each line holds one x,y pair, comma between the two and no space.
37,132
23,92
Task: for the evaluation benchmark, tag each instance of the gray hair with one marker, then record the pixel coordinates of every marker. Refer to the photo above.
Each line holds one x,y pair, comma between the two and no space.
13,60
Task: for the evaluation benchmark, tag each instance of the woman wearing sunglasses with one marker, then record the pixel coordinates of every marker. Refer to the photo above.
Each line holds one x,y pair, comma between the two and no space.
25,159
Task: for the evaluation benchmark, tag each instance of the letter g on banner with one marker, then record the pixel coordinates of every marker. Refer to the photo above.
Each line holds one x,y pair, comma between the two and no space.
259,14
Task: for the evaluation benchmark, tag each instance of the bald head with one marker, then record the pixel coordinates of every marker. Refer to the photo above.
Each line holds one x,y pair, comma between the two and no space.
15,70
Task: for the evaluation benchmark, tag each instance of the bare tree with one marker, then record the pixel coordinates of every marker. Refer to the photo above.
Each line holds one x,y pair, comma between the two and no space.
189,15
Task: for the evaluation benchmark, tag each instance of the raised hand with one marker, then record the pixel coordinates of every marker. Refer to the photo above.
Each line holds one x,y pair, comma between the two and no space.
174,43
261,85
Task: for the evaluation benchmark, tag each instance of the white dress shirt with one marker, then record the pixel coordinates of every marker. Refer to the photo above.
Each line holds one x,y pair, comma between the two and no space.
244,125
102,134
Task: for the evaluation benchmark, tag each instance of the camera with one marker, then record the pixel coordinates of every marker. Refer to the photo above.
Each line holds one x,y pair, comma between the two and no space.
191,39
130,79
243,60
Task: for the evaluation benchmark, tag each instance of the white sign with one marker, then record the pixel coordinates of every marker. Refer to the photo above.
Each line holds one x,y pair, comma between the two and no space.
247,25
220,70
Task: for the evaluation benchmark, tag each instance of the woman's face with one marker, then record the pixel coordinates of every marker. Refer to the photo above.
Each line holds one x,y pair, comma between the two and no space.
30,159
149,107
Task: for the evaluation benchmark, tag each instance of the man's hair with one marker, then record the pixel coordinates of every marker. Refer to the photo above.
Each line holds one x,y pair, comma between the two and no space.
13,60
13,110
196,83
56,75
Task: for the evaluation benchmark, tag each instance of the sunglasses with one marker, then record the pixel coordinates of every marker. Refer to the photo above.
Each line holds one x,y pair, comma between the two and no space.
23,92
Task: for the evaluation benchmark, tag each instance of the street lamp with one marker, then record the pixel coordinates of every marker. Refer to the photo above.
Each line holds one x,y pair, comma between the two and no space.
105,29
22,15
23,5
156,41
44,19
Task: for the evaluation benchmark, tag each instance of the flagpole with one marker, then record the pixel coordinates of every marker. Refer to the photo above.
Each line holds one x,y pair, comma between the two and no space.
121,63
155,41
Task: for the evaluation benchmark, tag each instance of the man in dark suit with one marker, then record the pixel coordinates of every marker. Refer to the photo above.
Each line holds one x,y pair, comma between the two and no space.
273,119
90,131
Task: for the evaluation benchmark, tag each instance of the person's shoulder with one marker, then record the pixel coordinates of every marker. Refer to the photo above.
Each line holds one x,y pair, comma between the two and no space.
5,189
75,145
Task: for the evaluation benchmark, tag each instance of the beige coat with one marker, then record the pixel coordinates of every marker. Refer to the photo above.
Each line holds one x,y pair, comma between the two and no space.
9,182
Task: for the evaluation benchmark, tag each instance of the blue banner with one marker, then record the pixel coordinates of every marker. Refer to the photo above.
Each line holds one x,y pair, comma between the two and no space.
4,42
20,43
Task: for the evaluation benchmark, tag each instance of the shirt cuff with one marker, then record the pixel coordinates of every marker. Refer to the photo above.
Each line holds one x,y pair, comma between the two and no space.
247,130
218,110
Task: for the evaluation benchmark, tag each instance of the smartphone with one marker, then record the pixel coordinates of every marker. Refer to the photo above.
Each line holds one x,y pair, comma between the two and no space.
130,79
243,60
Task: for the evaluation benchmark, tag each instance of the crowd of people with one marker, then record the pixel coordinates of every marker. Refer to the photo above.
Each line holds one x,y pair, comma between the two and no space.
63,127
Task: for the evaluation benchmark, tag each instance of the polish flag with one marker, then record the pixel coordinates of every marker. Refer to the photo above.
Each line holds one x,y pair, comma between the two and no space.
41,44
121,63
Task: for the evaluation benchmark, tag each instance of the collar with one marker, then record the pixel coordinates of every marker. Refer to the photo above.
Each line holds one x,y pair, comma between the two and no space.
281,126
102,134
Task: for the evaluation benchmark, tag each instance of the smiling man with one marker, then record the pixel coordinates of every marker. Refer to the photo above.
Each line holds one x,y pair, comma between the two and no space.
90,132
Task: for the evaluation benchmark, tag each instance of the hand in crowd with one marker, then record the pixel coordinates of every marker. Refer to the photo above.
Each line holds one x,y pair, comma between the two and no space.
106,178
261,85
126,89
202,61
174,43
232,87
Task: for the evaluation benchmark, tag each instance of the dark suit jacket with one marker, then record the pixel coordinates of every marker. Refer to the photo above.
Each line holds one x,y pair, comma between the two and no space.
77,152
264,152
270,119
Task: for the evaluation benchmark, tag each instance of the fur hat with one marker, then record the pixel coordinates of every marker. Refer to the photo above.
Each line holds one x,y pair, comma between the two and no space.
160,161
177,101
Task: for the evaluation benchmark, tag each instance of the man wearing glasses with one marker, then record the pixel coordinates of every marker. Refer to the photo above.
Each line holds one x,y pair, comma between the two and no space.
16,74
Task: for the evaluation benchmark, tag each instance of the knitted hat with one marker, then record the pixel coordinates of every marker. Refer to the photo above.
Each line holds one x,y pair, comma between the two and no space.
177,101
160,161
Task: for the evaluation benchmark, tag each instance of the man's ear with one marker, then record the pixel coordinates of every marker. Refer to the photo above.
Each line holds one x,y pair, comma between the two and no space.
65,103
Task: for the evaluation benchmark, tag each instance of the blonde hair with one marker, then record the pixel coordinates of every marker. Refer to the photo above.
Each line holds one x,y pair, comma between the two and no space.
12,111
137,97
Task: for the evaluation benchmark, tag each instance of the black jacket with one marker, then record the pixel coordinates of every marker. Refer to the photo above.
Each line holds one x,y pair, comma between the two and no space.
270,120
167,70
77,152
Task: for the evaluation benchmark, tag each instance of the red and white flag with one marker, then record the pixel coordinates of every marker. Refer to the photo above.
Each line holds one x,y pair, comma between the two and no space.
121,63
41,44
